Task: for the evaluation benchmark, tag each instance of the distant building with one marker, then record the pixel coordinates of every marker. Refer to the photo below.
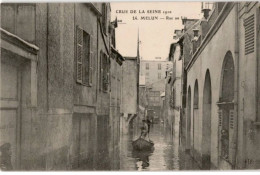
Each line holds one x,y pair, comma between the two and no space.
154,70
154,91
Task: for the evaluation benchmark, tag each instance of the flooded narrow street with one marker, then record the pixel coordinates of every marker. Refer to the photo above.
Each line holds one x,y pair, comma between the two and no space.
167,154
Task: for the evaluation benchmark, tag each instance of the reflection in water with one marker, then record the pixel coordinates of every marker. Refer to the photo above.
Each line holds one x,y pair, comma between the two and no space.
165,156
142,158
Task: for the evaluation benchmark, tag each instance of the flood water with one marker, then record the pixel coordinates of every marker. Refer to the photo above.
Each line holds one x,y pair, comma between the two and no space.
167,154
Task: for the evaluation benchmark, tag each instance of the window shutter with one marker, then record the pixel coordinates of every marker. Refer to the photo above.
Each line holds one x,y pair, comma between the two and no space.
90,60
220,120
104,75
220,117
108,74
249,24
232,137
231,119
79,55
104,18
101,71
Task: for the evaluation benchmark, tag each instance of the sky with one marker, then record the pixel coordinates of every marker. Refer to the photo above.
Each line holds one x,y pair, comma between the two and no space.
155,35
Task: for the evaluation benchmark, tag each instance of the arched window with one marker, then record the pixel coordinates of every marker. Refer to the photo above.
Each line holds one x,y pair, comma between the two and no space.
226,106
196,96
206,122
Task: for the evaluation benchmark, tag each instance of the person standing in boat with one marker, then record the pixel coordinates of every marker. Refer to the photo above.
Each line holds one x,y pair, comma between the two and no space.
145,129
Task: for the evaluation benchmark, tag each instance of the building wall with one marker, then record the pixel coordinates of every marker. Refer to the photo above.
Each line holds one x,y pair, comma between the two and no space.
243,142
129,87
115,101
59,90
186,57
177,93
142,96
55,110
151,74
85,97
177,77
154,100
212,60
168,108
45,128
20,21
103,45
248,68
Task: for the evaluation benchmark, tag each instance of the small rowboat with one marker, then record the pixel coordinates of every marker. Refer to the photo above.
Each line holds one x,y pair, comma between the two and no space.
142,145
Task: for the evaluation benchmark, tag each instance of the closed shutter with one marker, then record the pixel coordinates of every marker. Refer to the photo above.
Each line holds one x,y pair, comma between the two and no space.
249,24
79,55
85,57
90,60
108,73
101,71
104,17
220,118
232,138
231,119
104,75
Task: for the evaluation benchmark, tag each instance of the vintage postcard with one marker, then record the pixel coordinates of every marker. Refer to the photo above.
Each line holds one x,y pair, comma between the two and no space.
130,86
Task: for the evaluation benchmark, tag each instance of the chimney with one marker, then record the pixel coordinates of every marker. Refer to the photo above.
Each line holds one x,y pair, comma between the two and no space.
196,32
195,42
184,19
206,13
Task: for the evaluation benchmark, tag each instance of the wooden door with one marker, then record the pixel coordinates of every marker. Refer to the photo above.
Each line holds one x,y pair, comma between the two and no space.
10,114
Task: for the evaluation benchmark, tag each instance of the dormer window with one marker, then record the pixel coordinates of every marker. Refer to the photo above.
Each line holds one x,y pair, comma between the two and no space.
206,7
196,32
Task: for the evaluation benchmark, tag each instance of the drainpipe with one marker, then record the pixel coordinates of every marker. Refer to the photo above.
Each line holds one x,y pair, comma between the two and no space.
47,58
257,63
236,100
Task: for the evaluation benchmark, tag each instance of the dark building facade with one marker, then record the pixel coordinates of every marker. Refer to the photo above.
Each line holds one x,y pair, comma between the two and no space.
56,99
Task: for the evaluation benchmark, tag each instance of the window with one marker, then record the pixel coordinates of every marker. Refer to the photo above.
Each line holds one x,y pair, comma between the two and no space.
154,98
84,58
19,19
159,75
249,24
159,66
104,72
147,66
104,17
147,80
147,74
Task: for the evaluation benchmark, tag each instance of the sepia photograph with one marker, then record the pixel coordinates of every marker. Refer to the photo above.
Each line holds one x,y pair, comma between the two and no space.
130,86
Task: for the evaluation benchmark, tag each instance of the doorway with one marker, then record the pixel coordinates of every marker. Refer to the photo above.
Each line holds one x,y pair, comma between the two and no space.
10,114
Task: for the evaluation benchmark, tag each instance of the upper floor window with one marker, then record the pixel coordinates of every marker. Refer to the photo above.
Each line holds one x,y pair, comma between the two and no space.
249,24
159,76
159,66
84,58
19,19
104,17
147,66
